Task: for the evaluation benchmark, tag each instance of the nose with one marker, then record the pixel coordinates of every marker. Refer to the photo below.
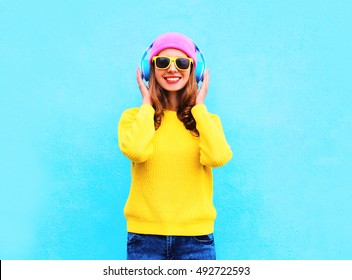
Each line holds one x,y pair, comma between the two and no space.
172,67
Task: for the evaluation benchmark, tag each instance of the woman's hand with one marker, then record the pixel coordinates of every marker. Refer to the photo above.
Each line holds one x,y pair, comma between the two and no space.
143,88
203,89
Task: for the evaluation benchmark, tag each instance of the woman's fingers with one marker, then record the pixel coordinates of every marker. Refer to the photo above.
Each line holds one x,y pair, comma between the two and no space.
143,88
203,89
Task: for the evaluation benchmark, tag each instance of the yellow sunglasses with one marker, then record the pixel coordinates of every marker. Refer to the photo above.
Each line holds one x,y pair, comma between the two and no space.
164,62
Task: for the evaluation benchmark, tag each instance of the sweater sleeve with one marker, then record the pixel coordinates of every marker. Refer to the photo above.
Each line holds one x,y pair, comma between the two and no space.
135,133
214,149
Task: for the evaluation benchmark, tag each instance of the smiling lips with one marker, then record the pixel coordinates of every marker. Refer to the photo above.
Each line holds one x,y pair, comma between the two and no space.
172,79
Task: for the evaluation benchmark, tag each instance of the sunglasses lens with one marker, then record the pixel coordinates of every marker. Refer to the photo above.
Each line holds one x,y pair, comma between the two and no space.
182,63
162,62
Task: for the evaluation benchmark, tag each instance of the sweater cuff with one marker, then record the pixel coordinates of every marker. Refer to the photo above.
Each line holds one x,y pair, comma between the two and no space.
147,108
199,109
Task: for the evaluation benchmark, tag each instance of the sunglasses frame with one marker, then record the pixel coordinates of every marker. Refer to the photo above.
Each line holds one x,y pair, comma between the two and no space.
172,59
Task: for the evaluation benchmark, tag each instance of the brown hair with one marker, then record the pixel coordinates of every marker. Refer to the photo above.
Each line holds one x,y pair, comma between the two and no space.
186,97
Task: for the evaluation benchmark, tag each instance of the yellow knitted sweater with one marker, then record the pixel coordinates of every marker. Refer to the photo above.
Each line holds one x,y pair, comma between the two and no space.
172,186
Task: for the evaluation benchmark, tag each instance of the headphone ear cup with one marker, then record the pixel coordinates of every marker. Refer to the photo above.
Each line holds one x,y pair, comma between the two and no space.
199,71
145,69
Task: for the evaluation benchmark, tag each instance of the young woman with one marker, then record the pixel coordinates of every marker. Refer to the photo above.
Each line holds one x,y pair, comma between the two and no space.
173,142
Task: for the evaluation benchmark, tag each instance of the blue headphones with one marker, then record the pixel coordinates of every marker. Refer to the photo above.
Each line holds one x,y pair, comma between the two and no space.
145,66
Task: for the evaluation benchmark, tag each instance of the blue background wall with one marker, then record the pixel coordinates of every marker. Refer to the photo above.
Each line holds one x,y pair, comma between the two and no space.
280,80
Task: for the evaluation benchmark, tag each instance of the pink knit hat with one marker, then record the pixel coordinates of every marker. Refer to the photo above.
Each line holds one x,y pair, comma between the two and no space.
174,40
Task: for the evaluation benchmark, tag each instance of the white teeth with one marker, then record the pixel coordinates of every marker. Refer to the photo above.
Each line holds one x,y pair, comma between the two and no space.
172,79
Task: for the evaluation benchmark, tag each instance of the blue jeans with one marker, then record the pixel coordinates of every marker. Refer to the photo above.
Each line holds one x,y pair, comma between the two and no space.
160,247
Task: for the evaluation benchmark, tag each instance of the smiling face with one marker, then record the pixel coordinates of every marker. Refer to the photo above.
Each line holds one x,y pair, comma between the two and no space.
171,79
